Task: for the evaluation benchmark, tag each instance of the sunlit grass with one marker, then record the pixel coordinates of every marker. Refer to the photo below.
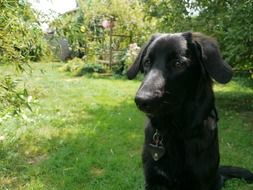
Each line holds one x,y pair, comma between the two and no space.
86,133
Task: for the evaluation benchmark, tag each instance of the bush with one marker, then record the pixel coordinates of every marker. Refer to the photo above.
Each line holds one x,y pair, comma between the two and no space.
78,67
21,41
12,99
21,38
89,69
126,58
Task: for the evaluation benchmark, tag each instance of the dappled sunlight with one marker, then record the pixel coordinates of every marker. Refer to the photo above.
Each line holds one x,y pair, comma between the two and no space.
233,86
236,95
88,133
79,132
97,172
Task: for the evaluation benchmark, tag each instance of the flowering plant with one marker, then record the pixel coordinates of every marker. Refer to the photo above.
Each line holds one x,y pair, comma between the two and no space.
130,56
107,24
133,50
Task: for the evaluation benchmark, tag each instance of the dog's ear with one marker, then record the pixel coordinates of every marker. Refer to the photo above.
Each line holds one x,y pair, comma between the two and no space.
137,65
210,56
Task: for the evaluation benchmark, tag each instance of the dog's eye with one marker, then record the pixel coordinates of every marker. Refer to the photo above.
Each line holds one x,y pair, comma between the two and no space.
147,66
147,63
179,64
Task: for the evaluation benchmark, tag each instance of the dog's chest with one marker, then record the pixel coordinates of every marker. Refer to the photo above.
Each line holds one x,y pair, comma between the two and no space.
171,155
181,156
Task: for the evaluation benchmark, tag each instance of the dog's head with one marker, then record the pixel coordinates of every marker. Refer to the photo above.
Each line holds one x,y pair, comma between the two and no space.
174,65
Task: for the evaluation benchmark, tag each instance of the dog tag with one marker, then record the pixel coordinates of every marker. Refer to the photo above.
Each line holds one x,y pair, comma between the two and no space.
156,151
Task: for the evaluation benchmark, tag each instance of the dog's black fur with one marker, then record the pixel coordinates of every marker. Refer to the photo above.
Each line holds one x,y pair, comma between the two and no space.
177,96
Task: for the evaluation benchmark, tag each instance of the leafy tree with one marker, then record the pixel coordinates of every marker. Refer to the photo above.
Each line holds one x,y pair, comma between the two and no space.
69,26
21,37
230,21
21,40
170,15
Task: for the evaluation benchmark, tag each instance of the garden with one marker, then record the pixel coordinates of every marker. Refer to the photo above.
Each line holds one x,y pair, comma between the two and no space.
70,122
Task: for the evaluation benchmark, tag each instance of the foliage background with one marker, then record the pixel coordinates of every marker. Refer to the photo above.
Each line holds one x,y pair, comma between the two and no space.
87,36
230,21
21,41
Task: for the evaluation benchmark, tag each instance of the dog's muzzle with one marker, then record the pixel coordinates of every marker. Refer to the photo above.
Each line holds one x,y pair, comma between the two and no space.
148,102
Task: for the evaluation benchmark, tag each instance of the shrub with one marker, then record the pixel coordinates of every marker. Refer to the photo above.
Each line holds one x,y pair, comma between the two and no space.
12,99
79,67
126,58
21,41
89,69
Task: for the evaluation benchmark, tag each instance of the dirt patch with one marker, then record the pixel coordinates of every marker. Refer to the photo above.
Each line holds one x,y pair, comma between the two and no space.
97,172
37,159
72,79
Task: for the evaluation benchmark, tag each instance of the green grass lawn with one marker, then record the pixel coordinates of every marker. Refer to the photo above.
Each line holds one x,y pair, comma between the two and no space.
87,134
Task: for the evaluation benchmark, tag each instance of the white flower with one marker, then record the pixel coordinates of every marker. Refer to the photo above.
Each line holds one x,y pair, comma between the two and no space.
2,138
29,99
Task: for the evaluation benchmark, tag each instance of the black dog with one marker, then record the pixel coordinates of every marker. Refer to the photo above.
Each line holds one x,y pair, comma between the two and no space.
181,150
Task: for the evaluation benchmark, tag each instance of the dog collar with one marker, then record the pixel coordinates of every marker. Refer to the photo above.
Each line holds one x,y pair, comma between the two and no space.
156,148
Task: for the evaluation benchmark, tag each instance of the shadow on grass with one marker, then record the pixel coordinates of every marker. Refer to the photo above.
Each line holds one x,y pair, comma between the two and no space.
101,151
236,101
237,95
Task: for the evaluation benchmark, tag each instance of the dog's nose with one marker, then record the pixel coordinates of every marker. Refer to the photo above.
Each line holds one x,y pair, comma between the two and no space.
144,102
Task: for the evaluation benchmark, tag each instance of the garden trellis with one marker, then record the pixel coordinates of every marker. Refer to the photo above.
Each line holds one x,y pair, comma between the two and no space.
109,53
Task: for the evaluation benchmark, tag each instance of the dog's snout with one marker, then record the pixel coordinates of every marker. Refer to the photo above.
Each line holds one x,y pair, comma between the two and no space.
151,91
143,102
146,101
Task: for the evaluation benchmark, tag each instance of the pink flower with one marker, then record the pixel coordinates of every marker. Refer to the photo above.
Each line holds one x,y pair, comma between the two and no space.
134,47
106,24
